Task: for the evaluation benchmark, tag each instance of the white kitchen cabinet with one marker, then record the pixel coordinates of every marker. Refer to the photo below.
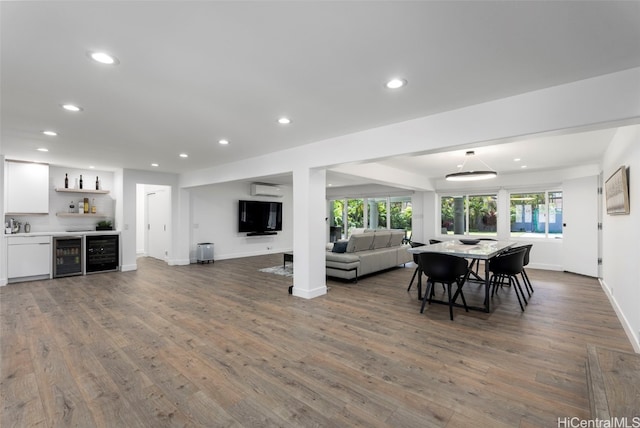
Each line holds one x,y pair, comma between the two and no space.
28,257
27,188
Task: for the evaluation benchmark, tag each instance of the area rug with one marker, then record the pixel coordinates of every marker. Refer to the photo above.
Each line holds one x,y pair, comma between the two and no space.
279,270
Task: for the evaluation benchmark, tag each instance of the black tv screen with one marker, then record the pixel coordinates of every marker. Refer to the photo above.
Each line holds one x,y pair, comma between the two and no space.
259,216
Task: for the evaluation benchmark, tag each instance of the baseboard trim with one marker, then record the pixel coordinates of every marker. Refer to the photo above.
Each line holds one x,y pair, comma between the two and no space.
309,294
635,341
127,268
178,262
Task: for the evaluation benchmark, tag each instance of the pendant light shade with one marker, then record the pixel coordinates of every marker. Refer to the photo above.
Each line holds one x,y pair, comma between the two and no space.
471,175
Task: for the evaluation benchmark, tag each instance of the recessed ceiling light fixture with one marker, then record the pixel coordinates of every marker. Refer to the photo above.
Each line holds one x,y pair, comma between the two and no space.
71,107
155,165
184,155
42,149
396,83
103,58
223,142
50,133
471,174
284,121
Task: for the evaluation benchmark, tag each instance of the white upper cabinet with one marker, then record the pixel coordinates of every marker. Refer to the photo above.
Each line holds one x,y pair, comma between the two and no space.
27,188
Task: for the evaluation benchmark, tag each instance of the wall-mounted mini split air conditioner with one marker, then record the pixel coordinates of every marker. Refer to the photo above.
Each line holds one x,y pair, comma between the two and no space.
259,189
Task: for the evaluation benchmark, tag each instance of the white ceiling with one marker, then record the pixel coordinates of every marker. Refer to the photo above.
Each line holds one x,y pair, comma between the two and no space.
191,73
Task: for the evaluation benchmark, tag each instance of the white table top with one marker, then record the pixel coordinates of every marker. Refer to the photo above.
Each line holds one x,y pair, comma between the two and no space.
483,250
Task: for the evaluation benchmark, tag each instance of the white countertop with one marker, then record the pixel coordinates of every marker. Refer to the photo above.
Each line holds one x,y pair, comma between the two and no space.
62,233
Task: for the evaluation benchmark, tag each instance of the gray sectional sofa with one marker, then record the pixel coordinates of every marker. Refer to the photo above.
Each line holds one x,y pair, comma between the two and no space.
368,252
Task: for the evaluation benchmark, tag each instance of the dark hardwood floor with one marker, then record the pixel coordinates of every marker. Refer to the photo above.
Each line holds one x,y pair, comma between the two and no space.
225,345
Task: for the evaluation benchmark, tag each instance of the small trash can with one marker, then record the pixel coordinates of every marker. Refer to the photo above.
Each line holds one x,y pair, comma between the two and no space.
204,252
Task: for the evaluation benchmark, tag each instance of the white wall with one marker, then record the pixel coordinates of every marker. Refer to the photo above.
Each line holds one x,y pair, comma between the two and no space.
621,235
214,218
3,241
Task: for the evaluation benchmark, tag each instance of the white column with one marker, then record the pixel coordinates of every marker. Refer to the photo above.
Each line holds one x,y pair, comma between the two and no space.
504,217
309,230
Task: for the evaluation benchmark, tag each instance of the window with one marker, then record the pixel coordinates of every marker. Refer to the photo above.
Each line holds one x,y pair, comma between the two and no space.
355,213
536,215
401,213
380,213
469,214
483,214
377,213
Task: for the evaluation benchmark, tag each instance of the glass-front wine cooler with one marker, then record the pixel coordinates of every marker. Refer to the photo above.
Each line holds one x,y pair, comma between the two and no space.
103,253
67,256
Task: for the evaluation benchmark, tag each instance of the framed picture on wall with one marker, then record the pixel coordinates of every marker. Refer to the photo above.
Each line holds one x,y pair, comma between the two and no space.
617,192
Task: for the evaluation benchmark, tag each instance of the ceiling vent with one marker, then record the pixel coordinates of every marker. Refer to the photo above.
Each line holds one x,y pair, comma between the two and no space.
260,189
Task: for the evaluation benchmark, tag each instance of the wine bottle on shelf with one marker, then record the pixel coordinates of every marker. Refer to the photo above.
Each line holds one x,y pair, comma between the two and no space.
86,205
80,181
97,183
93,205
66,181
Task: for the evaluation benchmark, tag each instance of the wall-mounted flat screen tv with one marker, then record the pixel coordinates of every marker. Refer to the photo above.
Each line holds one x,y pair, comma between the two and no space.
259,216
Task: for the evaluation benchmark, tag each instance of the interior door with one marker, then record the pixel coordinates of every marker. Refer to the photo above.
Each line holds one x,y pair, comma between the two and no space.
158,221
580,225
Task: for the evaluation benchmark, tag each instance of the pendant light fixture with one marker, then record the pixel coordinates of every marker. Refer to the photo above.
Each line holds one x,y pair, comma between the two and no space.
471,174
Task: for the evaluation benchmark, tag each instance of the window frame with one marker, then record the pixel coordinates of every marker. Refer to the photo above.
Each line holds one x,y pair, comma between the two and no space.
466,196
538,236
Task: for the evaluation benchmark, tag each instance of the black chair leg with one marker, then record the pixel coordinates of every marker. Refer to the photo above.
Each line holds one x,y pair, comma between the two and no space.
517,294
527,283
450,302
415,272
520,288
427,295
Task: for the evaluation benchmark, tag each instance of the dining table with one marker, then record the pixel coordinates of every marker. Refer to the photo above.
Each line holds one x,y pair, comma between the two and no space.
473,249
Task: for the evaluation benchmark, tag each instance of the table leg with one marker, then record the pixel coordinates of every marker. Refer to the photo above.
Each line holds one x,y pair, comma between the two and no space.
487,303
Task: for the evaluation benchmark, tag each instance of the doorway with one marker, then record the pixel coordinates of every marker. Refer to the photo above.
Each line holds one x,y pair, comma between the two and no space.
154,221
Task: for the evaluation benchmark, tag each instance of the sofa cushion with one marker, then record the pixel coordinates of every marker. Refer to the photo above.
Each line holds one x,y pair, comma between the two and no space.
346,258
381,239
360,242
340,246
396,238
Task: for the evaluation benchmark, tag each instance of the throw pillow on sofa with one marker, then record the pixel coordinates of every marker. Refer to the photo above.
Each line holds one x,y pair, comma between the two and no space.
340,246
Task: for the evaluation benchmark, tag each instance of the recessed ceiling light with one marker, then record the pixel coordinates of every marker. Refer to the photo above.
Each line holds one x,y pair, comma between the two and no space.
42,149
284,121
103,58
396,83
184,155
155,165
523,166
71,107
516,160
91,167
223,142
50,133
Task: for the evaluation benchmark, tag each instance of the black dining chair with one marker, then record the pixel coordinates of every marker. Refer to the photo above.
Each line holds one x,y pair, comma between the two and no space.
508,265
416,260
446,269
